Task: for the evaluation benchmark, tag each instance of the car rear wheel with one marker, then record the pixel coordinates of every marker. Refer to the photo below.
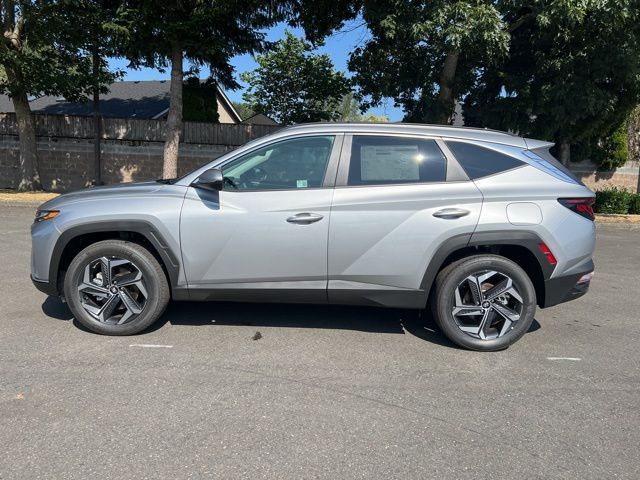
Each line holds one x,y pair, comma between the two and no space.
484,302
114,287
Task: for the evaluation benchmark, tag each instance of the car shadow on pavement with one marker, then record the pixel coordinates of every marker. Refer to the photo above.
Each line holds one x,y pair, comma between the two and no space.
55,308
336,317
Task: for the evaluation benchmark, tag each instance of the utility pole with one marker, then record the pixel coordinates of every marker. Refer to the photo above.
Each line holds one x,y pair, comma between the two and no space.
97,124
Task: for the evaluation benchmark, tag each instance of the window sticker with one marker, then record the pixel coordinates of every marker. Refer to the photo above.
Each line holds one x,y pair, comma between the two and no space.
302,183
389,162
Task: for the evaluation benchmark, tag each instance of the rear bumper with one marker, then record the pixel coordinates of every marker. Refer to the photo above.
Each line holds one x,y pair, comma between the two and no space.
45,287
566,288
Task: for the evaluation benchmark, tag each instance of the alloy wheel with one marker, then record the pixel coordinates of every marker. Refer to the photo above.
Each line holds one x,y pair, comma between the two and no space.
112,290
487,304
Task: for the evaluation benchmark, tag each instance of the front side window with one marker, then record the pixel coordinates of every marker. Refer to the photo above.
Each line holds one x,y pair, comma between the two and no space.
296,163
380,160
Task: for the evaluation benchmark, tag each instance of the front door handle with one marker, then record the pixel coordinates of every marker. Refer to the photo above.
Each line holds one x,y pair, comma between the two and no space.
305,218
451,213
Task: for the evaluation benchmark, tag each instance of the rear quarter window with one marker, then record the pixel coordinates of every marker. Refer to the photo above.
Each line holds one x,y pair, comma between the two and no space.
479,161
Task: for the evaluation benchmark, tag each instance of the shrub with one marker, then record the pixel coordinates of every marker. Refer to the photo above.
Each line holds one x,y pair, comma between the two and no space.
612,151
613,200
634,206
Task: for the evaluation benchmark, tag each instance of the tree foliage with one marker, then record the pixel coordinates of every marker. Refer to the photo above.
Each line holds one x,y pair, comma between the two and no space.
244,110
572,74
200,101
351,110
294,85
209,32
43,52
425,55
611,151
204,32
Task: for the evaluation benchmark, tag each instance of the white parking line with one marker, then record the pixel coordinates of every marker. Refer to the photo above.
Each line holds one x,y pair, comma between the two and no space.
147,345
568,359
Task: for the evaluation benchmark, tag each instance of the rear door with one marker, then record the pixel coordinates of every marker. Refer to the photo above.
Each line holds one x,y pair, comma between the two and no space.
397,200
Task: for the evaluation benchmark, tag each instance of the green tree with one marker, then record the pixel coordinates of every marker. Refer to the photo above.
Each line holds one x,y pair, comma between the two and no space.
203,32
425,55
611,151
244,110
349,108
294,85
572,75
99,35
351,111
199,102
373,118
41,53
210,32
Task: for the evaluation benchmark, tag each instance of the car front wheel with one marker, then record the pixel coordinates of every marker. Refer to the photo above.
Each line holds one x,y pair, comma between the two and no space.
114,287
484,302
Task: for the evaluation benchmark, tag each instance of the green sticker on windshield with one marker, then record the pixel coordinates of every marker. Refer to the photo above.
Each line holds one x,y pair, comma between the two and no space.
301,184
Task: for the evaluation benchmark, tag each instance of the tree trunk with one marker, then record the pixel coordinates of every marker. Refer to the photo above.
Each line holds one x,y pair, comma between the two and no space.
173,128
446,103
30,178
564,153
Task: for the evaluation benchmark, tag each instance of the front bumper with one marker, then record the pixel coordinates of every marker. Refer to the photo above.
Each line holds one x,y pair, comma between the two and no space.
566,288
45,287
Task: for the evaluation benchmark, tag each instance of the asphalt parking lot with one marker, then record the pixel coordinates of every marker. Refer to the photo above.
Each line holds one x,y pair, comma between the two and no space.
327,392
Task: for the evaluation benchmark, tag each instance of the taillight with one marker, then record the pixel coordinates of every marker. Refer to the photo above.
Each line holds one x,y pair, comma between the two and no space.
546,251
582,206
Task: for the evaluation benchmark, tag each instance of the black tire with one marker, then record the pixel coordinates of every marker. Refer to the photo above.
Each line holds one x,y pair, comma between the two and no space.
155,282
443,300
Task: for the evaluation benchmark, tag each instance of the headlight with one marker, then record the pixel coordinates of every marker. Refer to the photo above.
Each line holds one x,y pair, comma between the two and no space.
42,215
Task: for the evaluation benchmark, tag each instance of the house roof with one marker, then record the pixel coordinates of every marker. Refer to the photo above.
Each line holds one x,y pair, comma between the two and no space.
6,105
260,119
128,99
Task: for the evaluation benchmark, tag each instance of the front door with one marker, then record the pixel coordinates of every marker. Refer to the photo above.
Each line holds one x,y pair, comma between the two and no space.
264,236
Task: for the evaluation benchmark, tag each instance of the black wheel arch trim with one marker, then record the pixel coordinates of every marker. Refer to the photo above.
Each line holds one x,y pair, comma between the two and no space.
141,227
520,238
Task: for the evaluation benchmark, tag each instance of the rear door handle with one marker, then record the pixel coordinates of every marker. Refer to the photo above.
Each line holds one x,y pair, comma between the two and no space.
451,213
305,218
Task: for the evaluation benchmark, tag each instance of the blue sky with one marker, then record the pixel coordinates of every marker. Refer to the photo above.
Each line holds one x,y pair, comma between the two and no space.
338,46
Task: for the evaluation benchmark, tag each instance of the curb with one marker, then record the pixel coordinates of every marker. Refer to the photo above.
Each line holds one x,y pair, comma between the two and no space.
13,203
22,199
617,218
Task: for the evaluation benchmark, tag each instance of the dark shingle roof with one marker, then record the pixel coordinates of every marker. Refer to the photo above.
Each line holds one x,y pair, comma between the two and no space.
260,119
130,99
125,100
6,105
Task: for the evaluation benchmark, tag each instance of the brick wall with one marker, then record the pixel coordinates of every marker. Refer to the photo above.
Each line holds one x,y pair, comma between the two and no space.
67,163
627,176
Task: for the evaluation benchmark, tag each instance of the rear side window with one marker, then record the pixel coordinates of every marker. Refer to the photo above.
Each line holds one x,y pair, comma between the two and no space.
480,162
380,160
553,165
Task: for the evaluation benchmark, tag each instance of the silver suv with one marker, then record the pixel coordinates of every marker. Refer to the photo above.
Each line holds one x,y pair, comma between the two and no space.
480,226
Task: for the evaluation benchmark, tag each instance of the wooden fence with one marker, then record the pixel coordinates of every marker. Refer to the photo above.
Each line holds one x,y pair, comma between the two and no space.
71,126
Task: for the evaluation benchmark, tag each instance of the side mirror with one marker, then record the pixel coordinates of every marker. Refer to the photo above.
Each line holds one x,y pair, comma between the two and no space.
209,180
